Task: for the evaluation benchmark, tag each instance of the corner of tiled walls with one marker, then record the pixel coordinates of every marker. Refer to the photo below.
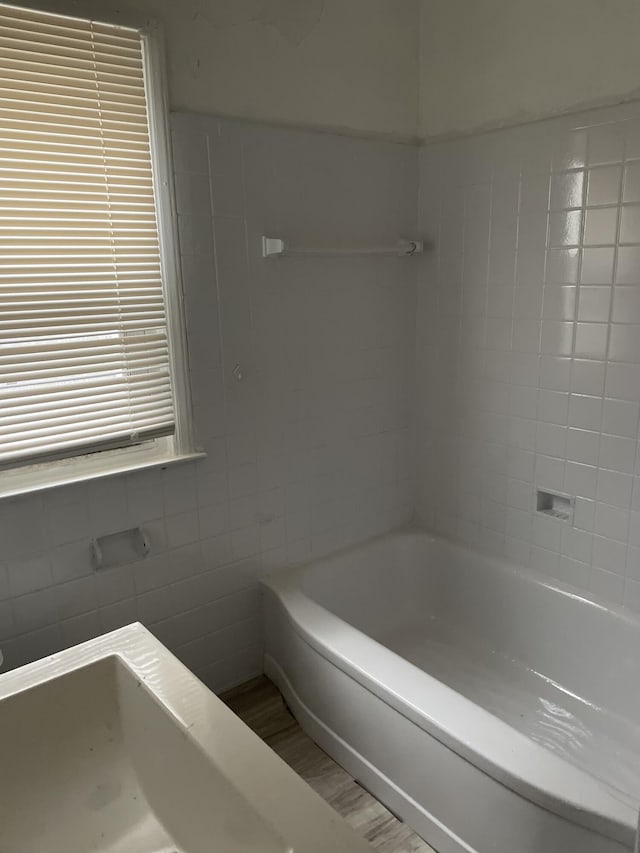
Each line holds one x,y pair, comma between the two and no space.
310,452
527,374
528,345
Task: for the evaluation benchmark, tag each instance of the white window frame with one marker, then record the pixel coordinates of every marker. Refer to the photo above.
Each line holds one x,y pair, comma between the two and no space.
181,446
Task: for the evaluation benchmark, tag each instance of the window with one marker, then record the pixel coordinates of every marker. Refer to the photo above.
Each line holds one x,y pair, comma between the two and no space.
91,351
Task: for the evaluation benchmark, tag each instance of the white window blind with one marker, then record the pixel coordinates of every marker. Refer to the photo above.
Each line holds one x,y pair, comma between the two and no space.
84,350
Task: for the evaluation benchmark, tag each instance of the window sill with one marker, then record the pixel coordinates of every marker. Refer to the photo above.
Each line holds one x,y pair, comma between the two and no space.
39,478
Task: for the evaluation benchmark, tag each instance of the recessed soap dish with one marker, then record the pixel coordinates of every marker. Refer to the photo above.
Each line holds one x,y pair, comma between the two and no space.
555,505
119,549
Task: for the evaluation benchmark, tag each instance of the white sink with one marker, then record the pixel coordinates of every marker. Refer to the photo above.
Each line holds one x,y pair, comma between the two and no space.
115,747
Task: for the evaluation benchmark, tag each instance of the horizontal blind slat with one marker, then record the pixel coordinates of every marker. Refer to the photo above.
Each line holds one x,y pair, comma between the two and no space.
87,441
53,22
79,431
49,423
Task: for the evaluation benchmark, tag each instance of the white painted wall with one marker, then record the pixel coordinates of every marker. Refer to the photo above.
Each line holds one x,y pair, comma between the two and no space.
327,64
398,68
488,62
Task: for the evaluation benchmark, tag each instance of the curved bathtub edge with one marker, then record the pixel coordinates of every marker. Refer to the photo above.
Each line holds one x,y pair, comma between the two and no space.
301,612
424,770
368,776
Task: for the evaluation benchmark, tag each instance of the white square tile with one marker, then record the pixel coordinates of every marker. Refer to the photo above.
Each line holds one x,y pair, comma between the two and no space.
549,473
624,344
621,417
528,302
182,529
612,522
604,185
213,520
192,194
7,626
525,369
547,533
559,303
195,234
68,522
609,554
567,190
614,488
243,512
74,598
591,340
584,513
243,480
551,440
583,446
601,226
226,193
594,304
630,224
34,611
114,585
555,373
597,266
556,338
577,544
216,551
622,381
518,524
588,377
565,228
520,493
633,578
71,561
606,143
521,463
29,575
534,196
189,147
633,139
617,453
569,149
553,406
562,266
632,183
626,304
580,481
245,542
628,270
5,591
585,412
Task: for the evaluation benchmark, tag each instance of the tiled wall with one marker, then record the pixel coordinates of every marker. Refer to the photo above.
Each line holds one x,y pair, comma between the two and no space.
528,376
310,452
529,345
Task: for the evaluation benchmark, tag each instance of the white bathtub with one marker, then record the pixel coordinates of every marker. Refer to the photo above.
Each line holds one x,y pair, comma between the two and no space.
490,710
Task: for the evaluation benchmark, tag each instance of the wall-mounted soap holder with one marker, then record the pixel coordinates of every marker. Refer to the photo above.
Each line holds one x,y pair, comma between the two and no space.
118,549
556,505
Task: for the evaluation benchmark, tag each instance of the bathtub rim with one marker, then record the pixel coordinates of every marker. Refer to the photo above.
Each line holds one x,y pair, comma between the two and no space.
551,782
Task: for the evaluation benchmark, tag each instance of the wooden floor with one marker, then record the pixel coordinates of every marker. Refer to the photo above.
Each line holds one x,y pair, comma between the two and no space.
259,704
